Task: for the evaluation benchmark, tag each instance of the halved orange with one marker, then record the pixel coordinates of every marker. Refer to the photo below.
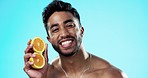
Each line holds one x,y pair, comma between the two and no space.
38,60
38,44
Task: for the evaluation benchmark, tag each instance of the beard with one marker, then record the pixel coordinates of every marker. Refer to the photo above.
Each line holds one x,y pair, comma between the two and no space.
76,48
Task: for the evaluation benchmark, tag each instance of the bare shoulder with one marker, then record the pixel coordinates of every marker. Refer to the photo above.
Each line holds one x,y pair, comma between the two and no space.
104,69
54,65
53,70
113,72
98,63
55,62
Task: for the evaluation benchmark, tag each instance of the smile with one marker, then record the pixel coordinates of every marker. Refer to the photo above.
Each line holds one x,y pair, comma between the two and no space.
66,43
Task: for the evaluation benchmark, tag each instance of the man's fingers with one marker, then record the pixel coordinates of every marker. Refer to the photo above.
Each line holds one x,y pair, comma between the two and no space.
28,66
27,56
29,49
45,53
29,42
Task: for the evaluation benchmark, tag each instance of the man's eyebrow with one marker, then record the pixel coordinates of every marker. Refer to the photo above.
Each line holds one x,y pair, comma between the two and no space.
53,25
69,20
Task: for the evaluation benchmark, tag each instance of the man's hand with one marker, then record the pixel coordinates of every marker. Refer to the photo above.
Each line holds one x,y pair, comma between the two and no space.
35,73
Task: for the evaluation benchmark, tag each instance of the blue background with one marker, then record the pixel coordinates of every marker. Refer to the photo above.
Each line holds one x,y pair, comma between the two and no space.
116,30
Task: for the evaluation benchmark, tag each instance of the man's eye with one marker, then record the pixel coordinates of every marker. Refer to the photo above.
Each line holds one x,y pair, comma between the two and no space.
70,25
54,30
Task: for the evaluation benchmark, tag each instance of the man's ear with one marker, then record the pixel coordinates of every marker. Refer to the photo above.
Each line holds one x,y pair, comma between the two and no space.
48,38
82,31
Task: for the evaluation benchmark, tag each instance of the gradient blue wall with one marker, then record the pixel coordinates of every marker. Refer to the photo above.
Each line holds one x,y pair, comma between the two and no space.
116,30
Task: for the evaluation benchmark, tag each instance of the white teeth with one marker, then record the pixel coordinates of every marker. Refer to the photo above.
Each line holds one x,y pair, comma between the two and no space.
66,42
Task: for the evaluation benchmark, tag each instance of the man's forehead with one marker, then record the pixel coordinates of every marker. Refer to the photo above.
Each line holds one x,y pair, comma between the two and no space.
62,15
63,21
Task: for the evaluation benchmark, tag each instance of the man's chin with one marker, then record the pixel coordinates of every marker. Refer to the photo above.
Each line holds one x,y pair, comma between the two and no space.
67,54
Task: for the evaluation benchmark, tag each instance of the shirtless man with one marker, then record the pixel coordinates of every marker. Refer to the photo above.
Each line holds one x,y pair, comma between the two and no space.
62,23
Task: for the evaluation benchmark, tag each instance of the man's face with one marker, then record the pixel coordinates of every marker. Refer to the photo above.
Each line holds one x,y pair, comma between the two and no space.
65,33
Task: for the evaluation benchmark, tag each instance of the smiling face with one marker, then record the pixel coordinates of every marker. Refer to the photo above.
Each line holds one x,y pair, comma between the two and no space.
65,33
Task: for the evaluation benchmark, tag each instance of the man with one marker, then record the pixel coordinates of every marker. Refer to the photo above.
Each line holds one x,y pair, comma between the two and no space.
62,23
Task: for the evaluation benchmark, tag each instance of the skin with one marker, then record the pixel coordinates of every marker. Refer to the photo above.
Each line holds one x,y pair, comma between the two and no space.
74,60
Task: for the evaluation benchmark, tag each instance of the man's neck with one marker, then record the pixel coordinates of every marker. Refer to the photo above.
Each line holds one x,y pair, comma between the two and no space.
75,63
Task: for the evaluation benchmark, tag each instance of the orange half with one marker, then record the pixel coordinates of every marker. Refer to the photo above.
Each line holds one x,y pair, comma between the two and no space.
38,60
38,44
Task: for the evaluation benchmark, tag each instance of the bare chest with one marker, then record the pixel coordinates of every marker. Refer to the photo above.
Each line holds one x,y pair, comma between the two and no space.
88,74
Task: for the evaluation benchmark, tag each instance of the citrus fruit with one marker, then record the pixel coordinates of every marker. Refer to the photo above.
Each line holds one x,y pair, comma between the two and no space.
38,60
38,44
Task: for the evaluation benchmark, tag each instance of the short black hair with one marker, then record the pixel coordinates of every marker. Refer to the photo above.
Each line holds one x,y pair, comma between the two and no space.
56,6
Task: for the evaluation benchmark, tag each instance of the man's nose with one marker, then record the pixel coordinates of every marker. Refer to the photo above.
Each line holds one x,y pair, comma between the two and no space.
64,33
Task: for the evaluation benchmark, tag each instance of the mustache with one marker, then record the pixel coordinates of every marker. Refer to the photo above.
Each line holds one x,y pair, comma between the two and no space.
66,37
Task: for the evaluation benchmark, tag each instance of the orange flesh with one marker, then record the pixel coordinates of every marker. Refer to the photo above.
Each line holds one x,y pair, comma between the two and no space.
38,44
38,60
